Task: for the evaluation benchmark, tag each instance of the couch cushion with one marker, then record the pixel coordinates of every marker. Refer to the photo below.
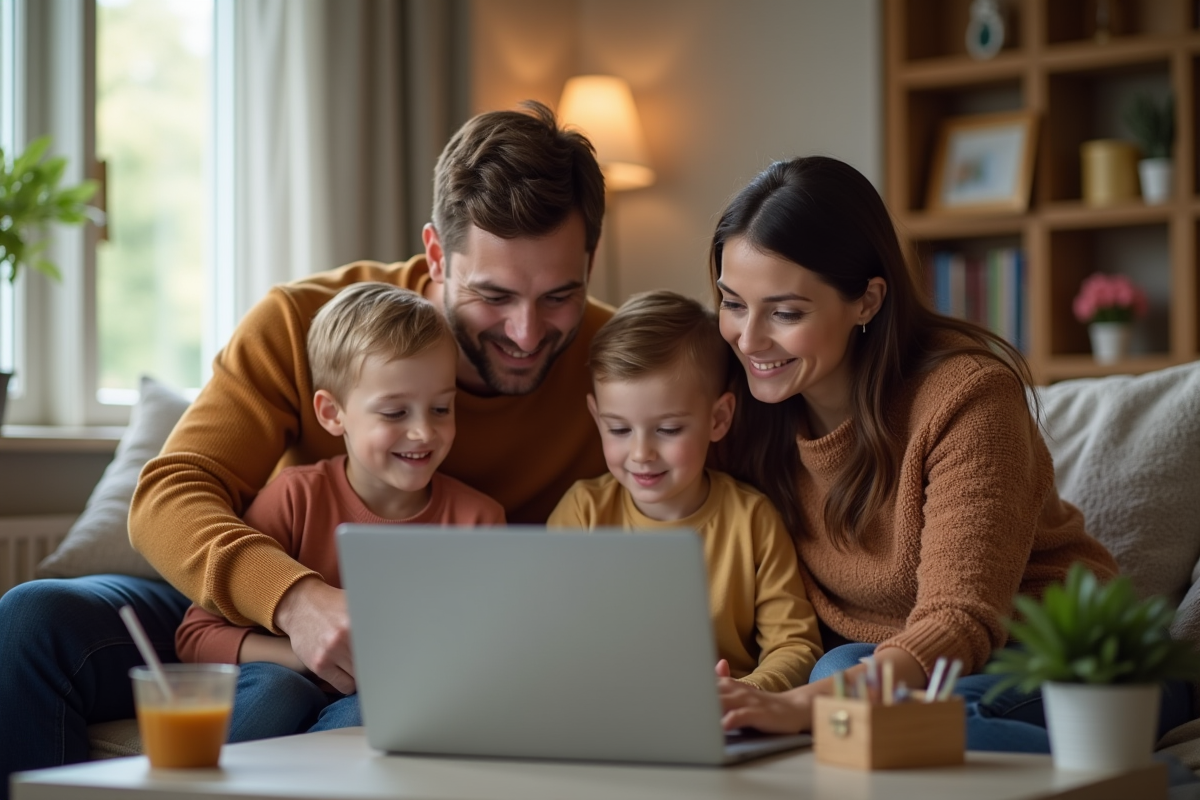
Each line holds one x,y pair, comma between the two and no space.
1127,453
114,739
98,542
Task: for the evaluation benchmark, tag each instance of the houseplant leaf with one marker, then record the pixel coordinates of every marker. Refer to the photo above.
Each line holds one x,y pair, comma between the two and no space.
1083,631
31,200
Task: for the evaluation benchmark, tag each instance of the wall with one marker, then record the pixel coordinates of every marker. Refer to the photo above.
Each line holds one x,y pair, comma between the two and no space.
723,89
47,482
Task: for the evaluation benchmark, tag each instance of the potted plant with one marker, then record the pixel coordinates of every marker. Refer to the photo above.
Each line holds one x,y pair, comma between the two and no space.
1152,123
1108,305
31,199
1099,655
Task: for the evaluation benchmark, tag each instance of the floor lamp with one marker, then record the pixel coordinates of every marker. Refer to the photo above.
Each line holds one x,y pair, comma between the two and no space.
601,106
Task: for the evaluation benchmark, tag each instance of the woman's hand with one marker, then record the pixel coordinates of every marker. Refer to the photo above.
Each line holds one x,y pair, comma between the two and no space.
747,707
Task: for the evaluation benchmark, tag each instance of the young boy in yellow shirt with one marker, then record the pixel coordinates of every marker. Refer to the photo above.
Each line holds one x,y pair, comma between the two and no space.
660,378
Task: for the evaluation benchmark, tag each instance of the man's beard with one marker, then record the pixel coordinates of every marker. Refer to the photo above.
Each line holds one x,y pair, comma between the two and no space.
500,381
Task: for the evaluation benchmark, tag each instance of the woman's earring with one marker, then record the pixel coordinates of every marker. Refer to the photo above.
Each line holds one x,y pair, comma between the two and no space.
864,327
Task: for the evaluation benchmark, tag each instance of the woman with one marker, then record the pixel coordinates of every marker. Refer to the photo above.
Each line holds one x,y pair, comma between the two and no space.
898,445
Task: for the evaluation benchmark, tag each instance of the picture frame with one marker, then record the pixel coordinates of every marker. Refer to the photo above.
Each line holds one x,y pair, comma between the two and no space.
983,163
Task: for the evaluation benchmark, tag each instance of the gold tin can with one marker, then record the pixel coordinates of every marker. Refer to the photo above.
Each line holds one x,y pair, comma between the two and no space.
1109,171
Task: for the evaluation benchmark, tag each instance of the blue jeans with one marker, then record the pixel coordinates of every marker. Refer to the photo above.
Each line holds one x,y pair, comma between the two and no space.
275,701
1013,721
64,662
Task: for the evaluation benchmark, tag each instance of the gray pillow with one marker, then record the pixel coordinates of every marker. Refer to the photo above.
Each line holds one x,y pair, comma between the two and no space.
98,542
1127,453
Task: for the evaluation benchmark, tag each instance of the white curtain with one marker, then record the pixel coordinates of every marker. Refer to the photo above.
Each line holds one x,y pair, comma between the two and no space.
340,108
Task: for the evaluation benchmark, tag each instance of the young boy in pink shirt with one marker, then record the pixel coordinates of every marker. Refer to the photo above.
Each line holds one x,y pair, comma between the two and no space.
383,373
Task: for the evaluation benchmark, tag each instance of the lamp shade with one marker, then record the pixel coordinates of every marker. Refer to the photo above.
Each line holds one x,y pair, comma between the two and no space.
601,106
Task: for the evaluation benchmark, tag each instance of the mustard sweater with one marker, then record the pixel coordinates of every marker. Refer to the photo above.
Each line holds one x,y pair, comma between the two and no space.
762,623
255,416
975,519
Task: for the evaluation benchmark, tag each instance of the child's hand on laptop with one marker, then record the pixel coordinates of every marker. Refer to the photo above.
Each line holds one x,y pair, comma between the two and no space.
747,707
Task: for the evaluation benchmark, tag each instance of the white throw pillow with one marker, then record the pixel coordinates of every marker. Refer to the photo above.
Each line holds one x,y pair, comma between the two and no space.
98,542
1127,453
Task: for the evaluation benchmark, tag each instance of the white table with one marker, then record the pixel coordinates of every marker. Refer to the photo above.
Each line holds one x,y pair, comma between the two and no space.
339,764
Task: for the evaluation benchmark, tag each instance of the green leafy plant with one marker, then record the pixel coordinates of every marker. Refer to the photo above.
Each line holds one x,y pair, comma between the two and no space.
30,199
1153,124
1086,632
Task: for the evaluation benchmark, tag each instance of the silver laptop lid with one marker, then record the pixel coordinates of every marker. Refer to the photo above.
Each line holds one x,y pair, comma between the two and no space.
521,642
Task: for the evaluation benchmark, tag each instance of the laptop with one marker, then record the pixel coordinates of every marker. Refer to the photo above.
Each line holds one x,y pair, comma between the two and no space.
518,642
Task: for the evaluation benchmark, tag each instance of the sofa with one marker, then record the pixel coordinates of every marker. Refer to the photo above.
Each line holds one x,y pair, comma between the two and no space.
1126,451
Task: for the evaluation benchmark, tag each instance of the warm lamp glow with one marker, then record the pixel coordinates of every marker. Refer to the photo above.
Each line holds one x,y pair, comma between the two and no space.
601,106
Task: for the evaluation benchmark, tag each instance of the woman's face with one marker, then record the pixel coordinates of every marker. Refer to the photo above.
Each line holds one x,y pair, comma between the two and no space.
790,329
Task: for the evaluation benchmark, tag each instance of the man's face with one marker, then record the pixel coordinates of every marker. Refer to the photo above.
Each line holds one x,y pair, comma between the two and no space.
514,304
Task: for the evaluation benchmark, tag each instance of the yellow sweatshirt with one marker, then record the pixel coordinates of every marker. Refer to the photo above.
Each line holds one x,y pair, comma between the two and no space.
255,416
763,624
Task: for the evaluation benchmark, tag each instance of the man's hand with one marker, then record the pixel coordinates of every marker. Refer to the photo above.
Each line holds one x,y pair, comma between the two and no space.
747,707
723,669
314,616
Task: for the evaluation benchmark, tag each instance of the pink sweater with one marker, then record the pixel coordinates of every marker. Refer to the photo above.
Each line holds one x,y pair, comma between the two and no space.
300,510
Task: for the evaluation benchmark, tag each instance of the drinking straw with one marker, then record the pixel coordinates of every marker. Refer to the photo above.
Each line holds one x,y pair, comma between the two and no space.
951,679
935,680
889,673
129,617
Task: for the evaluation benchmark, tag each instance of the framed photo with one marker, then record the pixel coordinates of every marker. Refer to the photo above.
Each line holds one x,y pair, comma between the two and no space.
983,163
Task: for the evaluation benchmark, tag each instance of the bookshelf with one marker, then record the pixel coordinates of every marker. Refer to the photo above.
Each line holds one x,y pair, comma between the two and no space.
1052,64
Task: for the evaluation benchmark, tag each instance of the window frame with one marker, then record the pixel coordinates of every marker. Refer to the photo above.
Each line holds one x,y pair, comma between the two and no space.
52,80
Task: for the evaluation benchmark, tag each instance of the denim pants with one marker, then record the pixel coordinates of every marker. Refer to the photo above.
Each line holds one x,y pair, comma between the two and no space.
275,701
1012,721
65,657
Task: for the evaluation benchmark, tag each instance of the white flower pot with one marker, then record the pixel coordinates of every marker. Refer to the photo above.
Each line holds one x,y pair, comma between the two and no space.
1155,177
1095,727
1110,341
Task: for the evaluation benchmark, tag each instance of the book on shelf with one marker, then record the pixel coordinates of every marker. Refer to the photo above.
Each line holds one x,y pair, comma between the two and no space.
986,288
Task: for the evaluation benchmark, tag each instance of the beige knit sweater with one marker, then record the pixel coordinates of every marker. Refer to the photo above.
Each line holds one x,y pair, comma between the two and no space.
975,519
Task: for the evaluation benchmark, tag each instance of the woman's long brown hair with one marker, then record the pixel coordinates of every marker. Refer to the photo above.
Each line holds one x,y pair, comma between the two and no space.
822,214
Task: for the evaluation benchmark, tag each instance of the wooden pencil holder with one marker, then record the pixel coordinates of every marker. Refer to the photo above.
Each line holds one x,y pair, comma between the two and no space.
850,732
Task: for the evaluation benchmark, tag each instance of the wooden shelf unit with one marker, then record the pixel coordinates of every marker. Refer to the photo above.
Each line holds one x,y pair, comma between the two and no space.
1051,64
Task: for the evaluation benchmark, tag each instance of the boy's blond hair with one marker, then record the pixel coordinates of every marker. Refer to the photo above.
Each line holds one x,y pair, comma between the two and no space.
660,331
369,319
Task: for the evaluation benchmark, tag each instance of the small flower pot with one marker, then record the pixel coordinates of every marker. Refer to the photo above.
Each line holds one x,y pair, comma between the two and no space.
1110,341
1097,727
1155,177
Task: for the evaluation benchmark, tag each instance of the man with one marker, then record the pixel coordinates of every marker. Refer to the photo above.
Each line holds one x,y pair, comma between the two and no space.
518,205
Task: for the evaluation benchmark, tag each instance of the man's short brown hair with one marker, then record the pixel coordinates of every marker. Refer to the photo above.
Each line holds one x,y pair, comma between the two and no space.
660,331
369,319
516,173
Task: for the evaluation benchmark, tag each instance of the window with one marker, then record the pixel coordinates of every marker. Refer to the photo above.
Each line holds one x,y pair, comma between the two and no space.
126,86
153,132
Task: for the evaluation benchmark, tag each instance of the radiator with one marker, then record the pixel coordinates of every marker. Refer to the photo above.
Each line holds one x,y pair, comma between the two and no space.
24,541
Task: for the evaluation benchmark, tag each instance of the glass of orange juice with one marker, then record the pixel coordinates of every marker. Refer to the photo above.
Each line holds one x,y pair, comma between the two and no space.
186,729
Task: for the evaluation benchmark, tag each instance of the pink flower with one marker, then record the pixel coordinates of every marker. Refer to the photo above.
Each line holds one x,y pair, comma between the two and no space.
1108,298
